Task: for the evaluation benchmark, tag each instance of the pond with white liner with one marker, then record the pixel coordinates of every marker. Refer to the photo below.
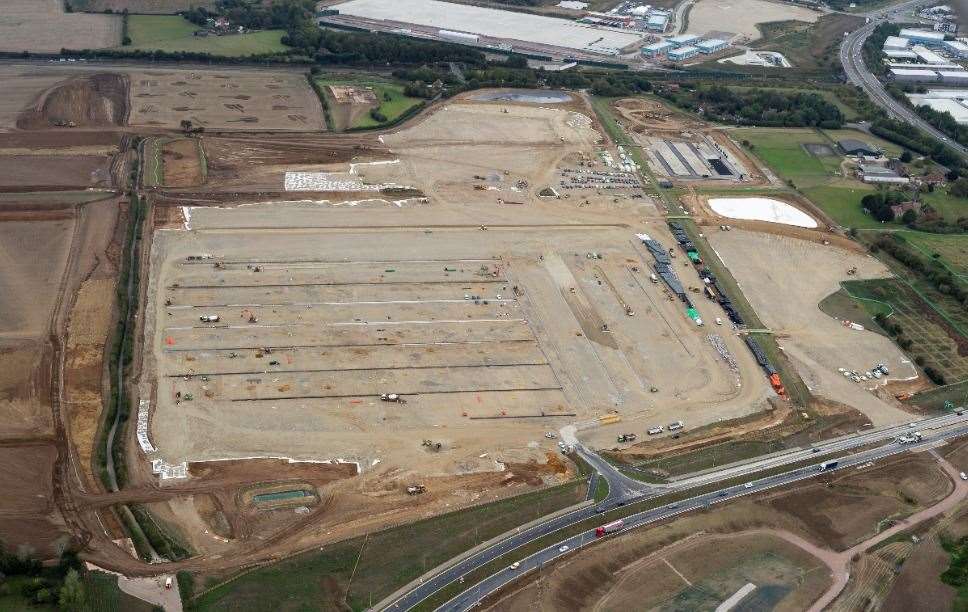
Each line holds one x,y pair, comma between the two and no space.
761,209
530,96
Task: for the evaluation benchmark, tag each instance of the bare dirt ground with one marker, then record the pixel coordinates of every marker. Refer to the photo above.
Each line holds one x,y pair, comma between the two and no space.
694,562
848,509
236,100
259,163
786,300
42,25
698,560
96,100
182,163
349,103
456,391
30,171
737,20
22,85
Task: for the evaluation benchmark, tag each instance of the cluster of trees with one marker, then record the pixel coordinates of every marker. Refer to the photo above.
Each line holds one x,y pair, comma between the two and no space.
945,123
940,277
910,137
337,47
879,205
60,585
957,573
515,73
278,14
757,106
874,45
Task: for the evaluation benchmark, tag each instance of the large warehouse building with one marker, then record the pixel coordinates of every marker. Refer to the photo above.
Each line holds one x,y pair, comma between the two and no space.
494,24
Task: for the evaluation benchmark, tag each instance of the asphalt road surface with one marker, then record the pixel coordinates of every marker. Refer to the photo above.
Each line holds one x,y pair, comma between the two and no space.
623,490
472,596
857,73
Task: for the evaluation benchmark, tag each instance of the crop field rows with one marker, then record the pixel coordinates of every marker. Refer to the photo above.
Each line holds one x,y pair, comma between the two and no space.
921,329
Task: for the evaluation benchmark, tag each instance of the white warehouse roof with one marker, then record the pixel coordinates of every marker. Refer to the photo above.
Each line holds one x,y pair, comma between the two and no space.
901,54
683,39
927,56
922,34
494,23
896,42
956,108
712,43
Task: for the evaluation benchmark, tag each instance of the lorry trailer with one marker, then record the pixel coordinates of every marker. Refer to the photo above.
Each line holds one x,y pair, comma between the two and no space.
609,528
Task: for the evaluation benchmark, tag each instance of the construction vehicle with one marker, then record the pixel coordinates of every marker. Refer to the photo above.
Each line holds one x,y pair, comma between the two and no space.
629,311
654,279
902,396
434,446
852,271
392,397
416,489
655,431
609,528
627,437
777,384
213,318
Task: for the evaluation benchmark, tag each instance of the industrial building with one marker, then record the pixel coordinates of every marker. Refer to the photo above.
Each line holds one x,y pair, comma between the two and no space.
657,23
459,37
928,56
657,49
901,55
923,37
896,43
852,146
880,174
954,77
713,45
491,26
683,40
956,48
951,101
682,53
910,75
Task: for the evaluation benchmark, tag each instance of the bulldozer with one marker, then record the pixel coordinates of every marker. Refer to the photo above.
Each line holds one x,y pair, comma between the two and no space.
416,489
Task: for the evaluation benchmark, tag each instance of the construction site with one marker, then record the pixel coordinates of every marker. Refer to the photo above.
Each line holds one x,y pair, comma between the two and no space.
333,334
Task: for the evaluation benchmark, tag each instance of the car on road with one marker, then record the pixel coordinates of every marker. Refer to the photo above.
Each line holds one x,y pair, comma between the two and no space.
723,493
748,485
563,548
814,450
514,565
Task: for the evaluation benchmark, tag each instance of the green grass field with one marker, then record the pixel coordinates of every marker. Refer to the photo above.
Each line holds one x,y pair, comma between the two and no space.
394,103
362,571
783,150
891,149
173,34
951,249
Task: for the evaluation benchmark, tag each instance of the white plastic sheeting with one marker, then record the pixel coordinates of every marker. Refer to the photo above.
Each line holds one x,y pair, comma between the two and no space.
761,209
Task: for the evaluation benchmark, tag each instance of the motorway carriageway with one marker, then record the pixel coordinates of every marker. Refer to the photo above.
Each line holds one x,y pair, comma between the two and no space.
493,583
629,492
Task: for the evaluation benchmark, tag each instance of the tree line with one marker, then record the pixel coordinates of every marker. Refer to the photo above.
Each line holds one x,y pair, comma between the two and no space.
763,107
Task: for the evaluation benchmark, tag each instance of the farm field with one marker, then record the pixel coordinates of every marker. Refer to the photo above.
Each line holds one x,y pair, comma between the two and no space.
42,25
238,100
173,33
350,101
951,249
930,336
809,160
138,7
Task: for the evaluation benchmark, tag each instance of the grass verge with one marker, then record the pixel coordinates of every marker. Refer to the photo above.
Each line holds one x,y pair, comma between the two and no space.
173,34
362,571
